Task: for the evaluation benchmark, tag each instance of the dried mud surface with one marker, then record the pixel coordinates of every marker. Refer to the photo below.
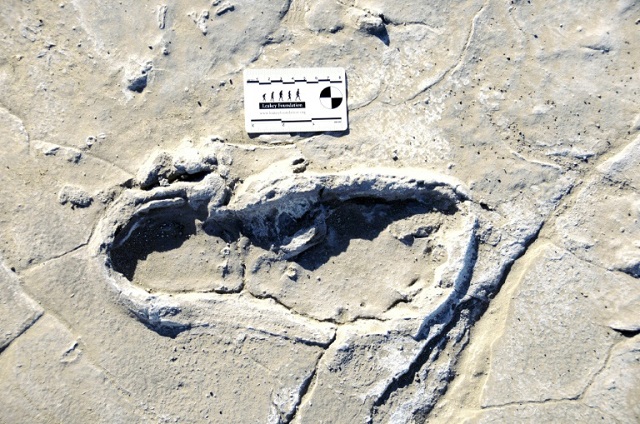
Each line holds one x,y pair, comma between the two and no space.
467,251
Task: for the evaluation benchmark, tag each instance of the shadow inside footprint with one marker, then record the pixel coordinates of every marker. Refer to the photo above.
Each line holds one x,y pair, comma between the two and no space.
158,232
204,252
361,219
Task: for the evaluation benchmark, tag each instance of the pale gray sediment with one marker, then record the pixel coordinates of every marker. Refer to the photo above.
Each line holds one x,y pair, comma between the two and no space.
467,251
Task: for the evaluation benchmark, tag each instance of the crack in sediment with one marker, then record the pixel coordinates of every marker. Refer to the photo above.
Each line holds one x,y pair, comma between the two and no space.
333,321
56,257
103,160
595,375
470,309
83,152
367,103
574,398
530,402
22,123
304,389
294,339
34,319
110,376
85,348
594,264
553,215
312,382
567,197
37,407
422,358
458,62
580,396
267,297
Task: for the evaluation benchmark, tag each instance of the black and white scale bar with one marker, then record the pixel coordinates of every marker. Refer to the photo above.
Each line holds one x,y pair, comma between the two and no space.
315,100
296,120
293,82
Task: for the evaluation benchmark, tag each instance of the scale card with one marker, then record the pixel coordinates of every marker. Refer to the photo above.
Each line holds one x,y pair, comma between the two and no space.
295,100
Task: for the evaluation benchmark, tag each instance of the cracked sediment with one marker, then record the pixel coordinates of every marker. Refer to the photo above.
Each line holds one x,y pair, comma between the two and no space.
467,251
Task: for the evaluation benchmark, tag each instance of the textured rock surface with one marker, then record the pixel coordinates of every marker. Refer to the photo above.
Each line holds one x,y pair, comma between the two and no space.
468,251
18,312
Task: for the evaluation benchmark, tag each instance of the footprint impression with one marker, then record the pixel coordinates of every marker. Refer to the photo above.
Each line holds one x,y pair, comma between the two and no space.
286,251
